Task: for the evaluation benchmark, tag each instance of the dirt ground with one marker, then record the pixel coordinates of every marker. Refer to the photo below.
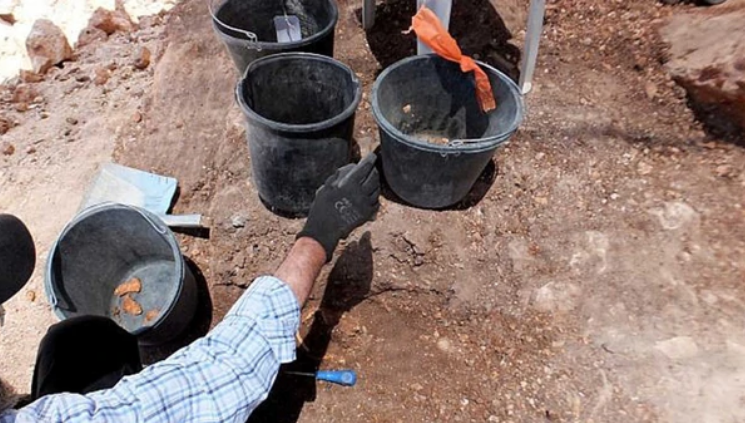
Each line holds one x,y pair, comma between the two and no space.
593,274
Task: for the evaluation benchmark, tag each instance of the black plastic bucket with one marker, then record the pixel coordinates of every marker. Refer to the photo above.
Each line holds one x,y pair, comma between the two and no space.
237,22
107,245
427,97
300,110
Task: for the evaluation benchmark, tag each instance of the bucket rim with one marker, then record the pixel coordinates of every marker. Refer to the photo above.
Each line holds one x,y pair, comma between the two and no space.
266,45
153,220
468,145
350,110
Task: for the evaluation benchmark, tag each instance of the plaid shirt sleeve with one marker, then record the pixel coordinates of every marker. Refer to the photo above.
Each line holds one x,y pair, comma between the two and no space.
222,377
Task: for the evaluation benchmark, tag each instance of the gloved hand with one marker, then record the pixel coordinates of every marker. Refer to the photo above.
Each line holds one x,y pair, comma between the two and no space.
346,200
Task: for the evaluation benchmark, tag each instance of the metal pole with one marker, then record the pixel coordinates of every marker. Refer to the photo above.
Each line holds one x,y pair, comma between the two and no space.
532,40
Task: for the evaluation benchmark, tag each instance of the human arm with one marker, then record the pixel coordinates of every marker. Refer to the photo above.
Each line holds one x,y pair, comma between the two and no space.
224,376
302,266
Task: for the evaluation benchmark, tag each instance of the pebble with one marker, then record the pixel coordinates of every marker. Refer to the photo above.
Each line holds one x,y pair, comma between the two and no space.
142,58
7,148
72,121
238,221
644,168
137,117
31,150
678,348
650,89
31,295
724,171
444,345
101,76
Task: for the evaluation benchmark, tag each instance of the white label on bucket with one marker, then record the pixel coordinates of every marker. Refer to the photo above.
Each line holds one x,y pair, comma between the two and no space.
288,28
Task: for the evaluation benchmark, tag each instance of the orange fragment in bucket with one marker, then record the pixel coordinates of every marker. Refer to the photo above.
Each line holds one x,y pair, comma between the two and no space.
430,31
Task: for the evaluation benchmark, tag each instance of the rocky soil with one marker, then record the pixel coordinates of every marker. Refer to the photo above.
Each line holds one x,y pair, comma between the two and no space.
593,274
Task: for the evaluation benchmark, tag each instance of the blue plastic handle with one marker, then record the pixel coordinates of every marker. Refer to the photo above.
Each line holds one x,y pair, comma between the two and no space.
340,377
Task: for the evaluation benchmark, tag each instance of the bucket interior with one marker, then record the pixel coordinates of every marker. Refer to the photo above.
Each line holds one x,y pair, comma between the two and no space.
298,90
432,100
257,16
105,249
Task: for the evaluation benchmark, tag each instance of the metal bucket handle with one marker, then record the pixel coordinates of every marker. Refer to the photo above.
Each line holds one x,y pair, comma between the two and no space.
252,39
157,224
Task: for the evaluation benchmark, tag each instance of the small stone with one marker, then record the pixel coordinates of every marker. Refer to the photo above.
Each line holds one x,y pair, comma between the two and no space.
142,58
541,200
644,168
416,387
407,108
7,16
31,295
90,35
444,344
101,76
724,171
30,77
238,221
47,46
110,21
31,150
137,117
24,93
614,196
21,107
493,419
5,125
72,121
651,90
7,148
678,348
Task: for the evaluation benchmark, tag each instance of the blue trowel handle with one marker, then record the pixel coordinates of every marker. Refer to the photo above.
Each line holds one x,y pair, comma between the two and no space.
340,377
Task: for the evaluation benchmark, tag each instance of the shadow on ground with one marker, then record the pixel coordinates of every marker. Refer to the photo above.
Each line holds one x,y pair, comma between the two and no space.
475,24
347,285
717,123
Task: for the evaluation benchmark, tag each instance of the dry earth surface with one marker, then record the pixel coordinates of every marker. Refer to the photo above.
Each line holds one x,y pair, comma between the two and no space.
593,274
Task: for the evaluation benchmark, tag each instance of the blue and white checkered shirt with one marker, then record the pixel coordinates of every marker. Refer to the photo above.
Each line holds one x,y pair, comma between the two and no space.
222,377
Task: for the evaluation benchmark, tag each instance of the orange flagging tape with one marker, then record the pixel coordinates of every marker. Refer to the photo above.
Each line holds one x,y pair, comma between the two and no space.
430,31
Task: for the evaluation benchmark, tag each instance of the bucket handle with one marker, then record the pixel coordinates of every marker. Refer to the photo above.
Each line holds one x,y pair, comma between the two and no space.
253,40
461,142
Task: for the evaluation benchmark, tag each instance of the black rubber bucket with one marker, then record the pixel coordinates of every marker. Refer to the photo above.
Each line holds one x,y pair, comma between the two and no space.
425,98
300,110
246,27
107,245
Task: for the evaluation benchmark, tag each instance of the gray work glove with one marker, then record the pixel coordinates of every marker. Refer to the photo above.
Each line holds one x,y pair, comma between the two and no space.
346,200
